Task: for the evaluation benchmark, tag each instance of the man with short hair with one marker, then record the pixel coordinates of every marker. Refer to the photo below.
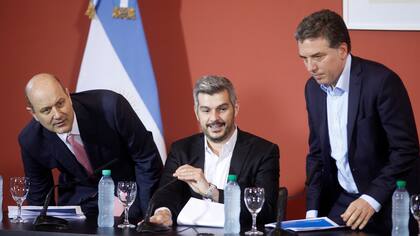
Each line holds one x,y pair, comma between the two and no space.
80,133
363,136
203,161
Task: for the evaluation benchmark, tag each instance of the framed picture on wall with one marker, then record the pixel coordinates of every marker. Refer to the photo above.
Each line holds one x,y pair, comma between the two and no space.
382,14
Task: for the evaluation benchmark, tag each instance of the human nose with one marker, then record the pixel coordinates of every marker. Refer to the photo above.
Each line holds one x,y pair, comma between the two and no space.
57,114
311,65
214,115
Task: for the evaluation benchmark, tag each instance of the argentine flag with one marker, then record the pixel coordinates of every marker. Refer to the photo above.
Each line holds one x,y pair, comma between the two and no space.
116,58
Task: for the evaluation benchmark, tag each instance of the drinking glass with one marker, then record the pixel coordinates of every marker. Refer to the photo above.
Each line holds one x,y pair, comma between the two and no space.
415,208
126,191
254,200
19,188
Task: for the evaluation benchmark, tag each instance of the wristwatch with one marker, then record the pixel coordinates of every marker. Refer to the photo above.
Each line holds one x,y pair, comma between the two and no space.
209,192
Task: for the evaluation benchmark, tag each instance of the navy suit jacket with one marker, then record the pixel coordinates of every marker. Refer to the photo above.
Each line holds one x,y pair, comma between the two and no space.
382,138
255,161
110,129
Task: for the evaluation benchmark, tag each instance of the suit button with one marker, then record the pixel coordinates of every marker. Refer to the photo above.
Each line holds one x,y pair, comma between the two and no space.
353,169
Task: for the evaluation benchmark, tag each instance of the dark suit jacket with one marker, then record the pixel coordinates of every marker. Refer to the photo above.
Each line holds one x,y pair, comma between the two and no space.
110,129
382,138
255,161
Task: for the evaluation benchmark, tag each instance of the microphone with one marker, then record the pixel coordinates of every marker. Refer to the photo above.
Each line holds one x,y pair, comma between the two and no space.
149,227
43,221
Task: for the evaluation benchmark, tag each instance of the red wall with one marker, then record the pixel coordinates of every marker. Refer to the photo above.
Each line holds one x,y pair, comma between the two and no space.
249,41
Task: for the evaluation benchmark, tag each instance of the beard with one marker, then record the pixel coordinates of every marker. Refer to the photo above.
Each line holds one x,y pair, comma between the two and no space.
228,130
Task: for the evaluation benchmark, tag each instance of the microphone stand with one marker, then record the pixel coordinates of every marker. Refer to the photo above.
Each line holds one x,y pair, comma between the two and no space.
149,227
43,221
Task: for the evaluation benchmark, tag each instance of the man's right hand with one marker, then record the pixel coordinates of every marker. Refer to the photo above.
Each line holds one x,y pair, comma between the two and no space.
162,216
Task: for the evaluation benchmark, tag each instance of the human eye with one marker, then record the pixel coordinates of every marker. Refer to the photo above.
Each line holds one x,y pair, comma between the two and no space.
223,108
60,103
204,109
305,59
45,110
318,57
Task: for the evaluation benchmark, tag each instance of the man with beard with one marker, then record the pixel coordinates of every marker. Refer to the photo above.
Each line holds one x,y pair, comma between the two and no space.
203,161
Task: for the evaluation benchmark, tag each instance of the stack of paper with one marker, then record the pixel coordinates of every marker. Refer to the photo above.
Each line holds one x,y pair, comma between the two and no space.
65,212
202,213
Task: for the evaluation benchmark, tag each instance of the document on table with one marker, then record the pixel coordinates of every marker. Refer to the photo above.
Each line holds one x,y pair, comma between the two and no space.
31,212
202,213
312,224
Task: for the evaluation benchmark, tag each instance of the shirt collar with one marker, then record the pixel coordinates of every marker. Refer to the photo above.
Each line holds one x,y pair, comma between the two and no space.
343,81
226,147
74,130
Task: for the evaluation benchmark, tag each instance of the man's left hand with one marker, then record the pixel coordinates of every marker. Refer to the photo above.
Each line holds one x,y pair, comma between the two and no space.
358,214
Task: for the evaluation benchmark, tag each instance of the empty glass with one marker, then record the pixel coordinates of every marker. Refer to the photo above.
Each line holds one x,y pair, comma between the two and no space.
19,188
415,208
126,191
254,200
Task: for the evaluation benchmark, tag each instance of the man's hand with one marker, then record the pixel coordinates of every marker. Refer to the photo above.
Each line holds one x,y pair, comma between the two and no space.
194,177
358,214
162,216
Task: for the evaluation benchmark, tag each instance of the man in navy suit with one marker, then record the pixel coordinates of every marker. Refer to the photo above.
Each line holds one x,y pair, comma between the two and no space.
363,136
203,161
105,127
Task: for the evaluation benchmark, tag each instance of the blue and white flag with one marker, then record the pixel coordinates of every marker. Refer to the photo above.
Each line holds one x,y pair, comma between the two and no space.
116,58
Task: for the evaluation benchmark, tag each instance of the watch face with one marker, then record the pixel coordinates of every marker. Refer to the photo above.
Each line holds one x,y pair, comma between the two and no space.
209,193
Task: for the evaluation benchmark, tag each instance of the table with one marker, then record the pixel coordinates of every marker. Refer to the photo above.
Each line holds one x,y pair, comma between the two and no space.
89,227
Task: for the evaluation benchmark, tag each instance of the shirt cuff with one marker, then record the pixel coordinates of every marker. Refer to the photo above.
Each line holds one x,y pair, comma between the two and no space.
372,202
311,214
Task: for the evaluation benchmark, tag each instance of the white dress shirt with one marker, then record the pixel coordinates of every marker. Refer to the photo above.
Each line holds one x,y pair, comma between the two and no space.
216,167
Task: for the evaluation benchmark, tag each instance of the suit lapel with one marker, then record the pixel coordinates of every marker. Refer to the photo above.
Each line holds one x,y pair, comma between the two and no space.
323,127
240,154
63,155
88,133
323,120
197,152
354,97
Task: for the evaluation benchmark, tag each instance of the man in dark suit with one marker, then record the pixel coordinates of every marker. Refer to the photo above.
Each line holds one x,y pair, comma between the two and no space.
108,131
363,135
203,161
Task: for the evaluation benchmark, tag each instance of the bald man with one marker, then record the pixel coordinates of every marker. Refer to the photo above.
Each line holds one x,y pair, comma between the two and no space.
78,134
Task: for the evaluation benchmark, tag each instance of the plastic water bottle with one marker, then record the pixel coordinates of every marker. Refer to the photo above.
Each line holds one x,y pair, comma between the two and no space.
400,210
106,200
232,196
1,198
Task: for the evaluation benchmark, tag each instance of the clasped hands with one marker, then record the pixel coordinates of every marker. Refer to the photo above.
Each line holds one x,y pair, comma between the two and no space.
195,178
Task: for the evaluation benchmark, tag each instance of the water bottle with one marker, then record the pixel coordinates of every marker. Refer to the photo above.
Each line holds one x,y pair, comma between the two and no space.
1,198
106,200
400,210
232,197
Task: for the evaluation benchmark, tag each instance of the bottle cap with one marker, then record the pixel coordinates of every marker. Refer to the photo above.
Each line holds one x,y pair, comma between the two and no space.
231,177
106,172
401,184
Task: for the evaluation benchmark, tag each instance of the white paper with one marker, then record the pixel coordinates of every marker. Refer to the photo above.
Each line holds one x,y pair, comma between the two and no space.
31,212
202,213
